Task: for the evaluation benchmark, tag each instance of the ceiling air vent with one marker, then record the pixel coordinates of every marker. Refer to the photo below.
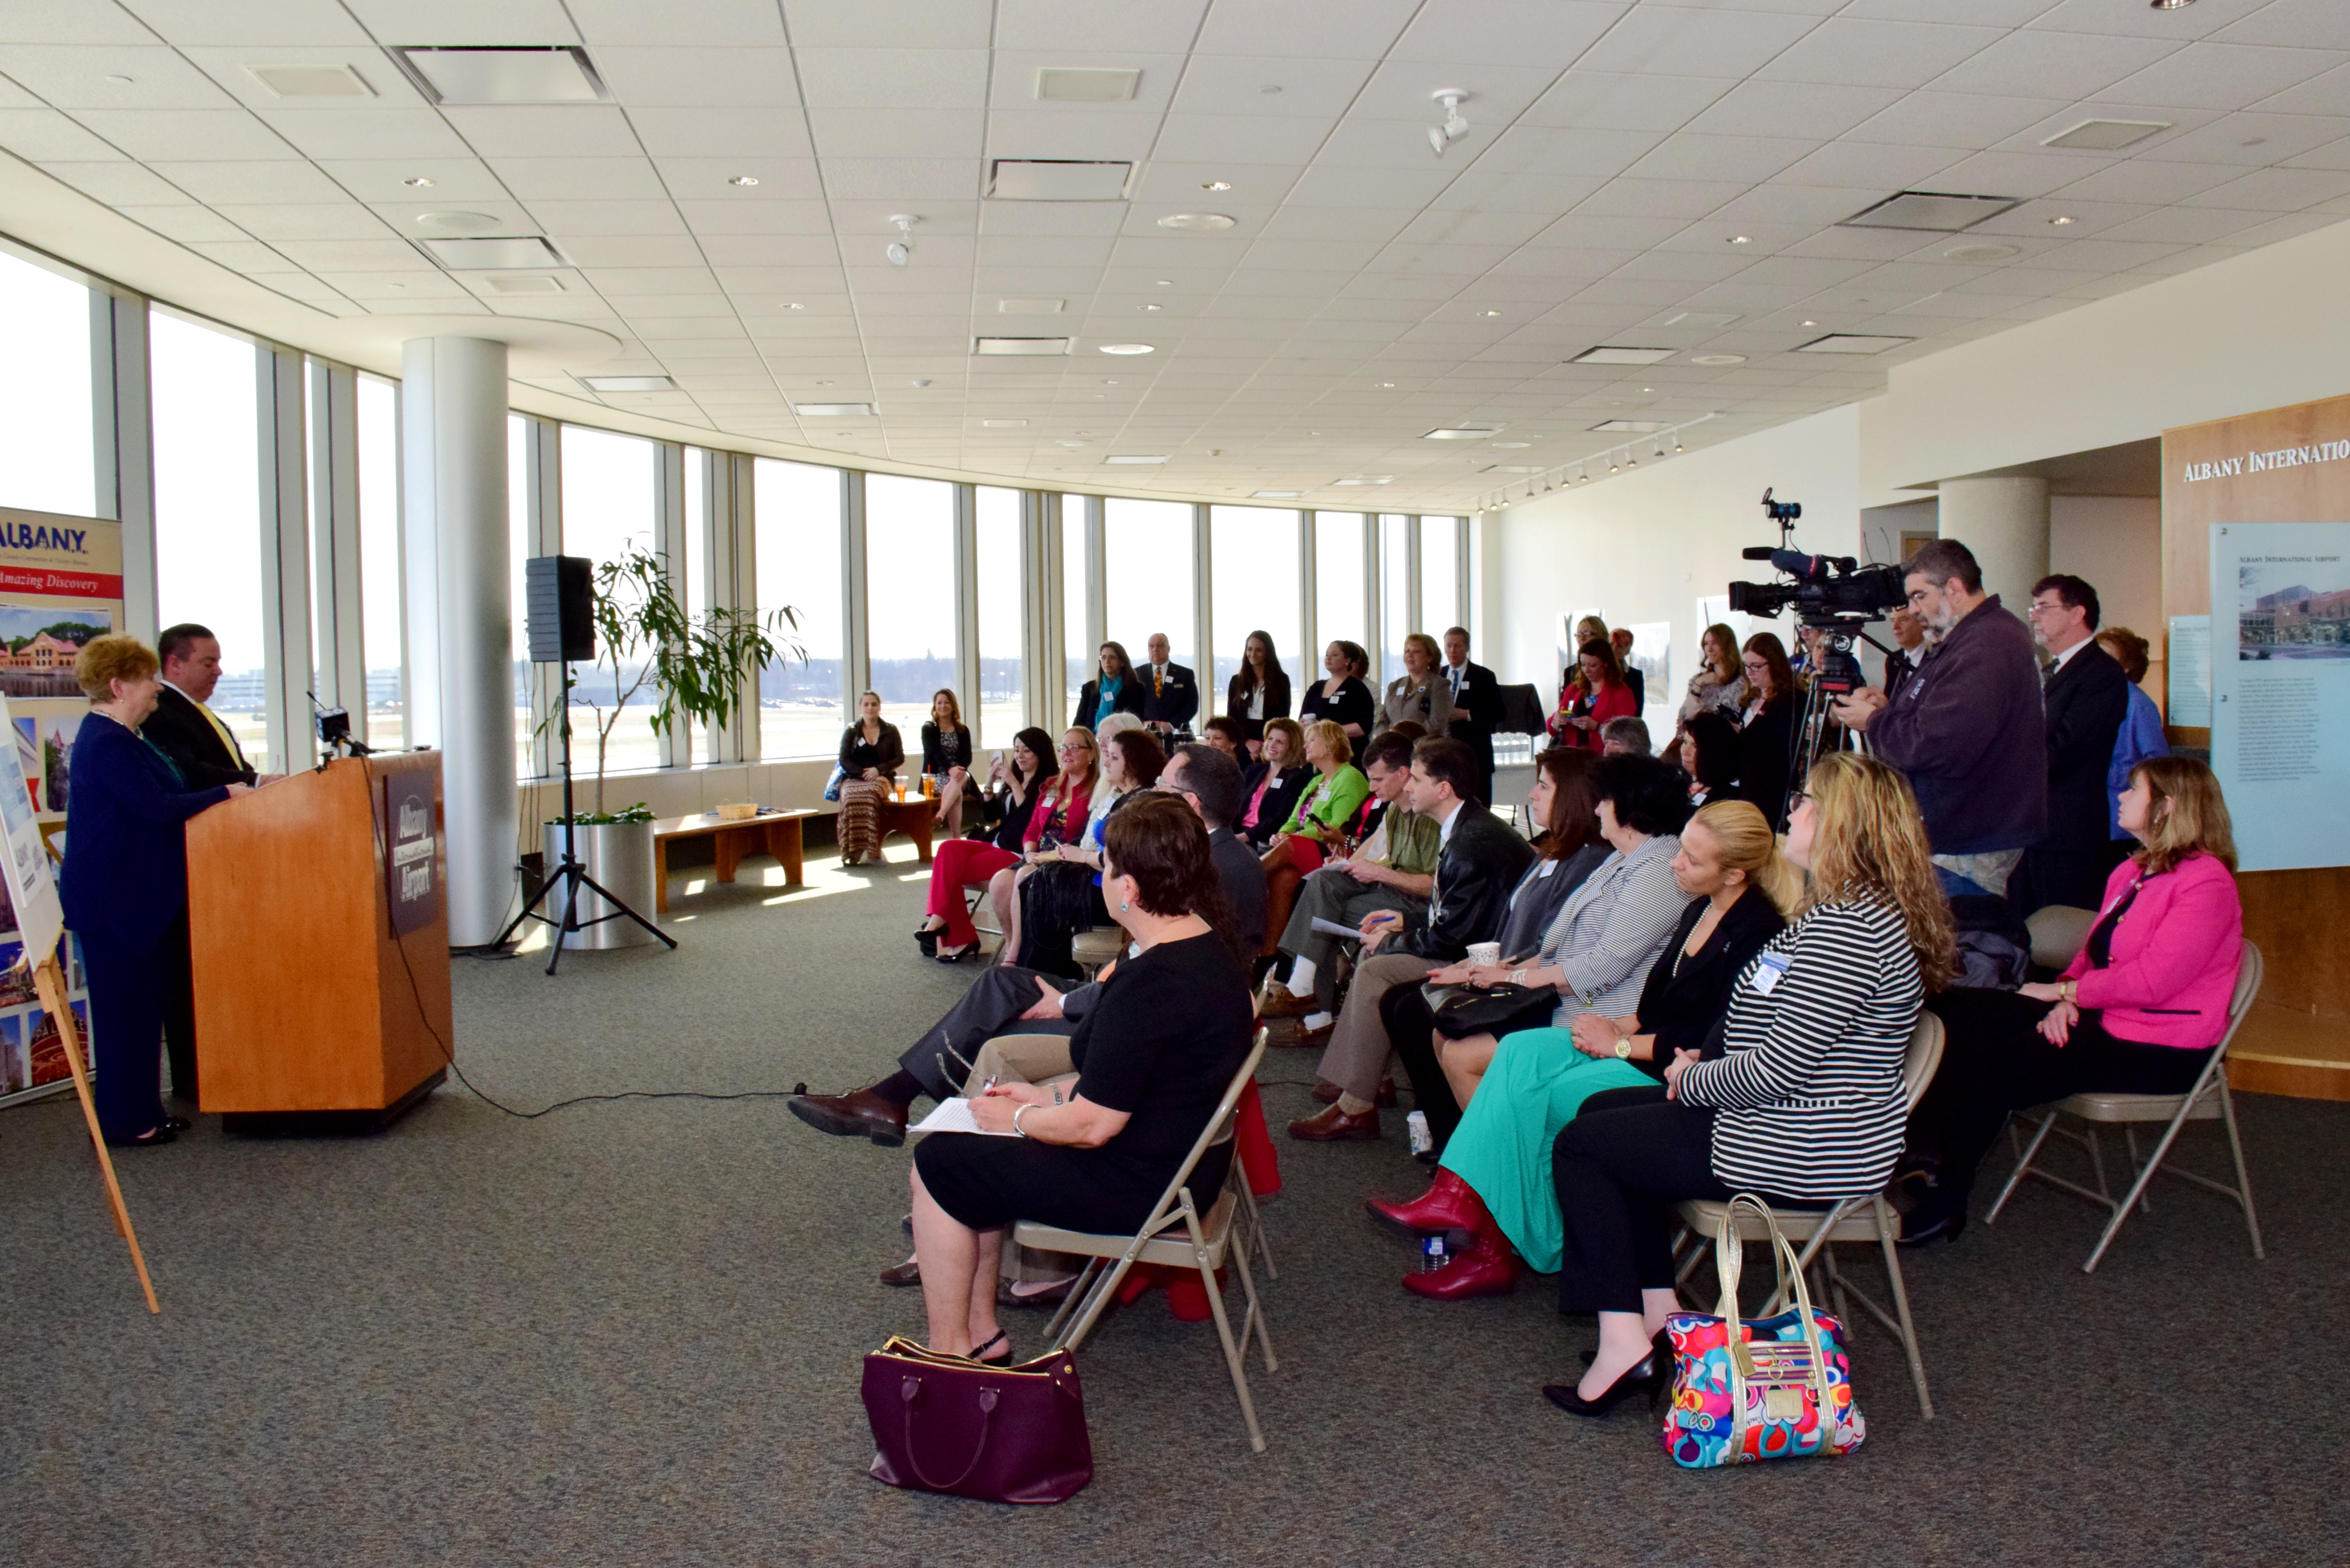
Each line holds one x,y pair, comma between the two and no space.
311,81
1851,343
1020,346
1058,180
1084,84
560,74
511,254
1929,210
2107,135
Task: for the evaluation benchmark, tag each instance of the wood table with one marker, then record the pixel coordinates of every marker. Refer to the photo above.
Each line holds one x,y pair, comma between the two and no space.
775,833
913,816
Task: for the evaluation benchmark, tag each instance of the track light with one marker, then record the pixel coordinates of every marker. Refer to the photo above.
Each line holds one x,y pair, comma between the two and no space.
1676,440
1453,127
1660,448
901,249
1613,466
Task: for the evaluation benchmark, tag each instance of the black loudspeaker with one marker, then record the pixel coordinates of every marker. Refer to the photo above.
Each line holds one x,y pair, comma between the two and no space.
559,608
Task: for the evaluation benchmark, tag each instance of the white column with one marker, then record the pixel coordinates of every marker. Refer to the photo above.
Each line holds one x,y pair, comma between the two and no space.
2005,523
461,635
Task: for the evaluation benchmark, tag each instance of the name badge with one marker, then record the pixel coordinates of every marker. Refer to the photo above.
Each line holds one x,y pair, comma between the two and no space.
1547,868
1769,970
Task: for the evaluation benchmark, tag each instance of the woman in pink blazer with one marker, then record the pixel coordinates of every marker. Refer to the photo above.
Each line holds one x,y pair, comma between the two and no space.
2138,1011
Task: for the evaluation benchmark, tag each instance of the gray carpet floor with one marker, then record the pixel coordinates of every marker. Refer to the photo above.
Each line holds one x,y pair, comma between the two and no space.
629,1333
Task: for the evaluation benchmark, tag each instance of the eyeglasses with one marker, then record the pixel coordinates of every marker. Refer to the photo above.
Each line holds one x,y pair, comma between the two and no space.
2054,607
1796,797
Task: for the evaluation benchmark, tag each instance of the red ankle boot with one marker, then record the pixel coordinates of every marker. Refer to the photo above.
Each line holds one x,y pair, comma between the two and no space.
1488,1269
1448,1204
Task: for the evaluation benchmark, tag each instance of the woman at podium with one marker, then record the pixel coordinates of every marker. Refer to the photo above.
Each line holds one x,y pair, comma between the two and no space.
125,885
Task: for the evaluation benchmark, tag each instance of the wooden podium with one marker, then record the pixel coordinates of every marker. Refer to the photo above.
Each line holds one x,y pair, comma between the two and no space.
320,938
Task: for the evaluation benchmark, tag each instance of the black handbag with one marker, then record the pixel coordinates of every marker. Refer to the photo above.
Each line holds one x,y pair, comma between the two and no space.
1496,1010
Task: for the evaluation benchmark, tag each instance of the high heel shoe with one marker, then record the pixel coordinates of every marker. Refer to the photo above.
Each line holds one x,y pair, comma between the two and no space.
927,939
1448,1204
1651,1373
958,955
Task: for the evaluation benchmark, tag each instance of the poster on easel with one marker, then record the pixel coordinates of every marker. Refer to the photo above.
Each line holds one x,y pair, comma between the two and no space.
60,585
2281,690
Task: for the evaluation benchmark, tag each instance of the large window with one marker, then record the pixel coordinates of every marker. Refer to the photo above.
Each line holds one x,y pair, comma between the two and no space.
1001,576
1077,651
611,497
687,565
1395,589
799,512
1150,579
46,436
518,551
910,599
1253,552
1337,583
1440,576
206,393
380,626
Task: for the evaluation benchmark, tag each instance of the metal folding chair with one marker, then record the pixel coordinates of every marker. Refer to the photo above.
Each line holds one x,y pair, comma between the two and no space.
1179,1236
1863,1218
2207,1101
1095,948
2057,932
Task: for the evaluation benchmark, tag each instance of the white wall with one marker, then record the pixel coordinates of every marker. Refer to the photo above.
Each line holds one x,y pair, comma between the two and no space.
1645,546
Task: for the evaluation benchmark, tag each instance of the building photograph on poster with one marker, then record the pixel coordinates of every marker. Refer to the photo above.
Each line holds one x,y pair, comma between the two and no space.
2281,707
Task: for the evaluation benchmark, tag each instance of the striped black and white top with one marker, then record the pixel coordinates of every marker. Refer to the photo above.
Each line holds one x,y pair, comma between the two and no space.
1809,1091
1611,929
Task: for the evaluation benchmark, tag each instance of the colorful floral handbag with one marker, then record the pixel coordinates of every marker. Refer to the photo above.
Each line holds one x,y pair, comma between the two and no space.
1744,1392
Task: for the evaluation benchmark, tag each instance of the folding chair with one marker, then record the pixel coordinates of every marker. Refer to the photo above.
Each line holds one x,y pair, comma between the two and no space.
1179,1236
1866,1217
2057,932
1096,948
2207,1101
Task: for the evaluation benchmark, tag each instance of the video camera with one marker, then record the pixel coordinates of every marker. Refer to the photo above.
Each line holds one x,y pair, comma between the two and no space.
1827,590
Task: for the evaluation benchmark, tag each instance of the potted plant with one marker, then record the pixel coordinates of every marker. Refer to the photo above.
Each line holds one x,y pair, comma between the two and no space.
696,668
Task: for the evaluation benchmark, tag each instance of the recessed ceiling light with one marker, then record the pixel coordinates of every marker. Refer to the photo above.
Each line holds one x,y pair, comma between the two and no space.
2105,135
1930,211
1020,346
833,410
1611,354
1070,84
419,182
1722,359
795,305
1194,223
311,81
1851,343
1807,324
630,383
126,81
560,74
1741,239
1489,313
1166,283
1134,460
456,222
2170,5
1982,252
1003,424
1127,348
922,381
1512,445
1386,386
1274,494
1152,307
1215,184
744,179
1461,432
1068,443
1108,382
824,383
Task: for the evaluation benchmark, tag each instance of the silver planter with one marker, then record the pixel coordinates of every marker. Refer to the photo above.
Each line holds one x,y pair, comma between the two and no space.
619,855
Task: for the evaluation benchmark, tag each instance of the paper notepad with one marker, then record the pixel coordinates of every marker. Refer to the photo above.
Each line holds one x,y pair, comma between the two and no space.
1323,927
953,1116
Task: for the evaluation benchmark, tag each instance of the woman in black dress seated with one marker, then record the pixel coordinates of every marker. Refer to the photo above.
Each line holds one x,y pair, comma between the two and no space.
1153,1057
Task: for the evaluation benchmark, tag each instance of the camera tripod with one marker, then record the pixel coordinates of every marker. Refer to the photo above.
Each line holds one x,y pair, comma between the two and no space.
1817,730
571,873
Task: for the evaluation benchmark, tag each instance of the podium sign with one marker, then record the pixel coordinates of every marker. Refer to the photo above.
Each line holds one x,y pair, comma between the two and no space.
413,888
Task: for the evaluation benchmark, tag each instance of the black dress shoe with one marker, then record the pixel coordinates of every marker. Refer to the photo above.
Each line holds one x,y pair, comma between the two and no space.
152,1138
860,1113
176,1124
1931,1222
1648,1373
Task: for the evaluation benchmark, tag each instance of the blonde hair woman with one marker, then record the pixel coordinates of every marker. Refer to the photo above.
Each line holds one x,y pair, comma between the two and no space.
1805,1103
1416,696
2138,1011
1325,809
1494,1181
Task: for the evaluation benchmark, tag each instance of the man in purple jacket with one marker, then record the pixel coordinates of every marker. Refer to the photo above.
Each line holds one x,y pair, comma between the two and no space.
1966,727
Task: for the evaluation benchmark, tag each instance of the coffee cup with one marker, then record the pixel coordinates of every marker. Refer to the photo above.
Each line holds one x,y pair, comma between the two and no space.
1482,955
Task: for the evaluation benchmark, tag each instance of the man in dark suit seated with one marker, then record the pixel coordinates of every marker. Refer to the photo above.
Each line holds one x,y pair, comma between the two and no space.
1476,707
2085,698
1007,998
181,727
1171,693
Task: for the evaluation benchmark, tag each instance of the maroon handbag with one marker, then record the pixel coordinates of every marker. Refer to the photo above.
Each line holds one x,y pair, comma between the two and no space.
1000,1434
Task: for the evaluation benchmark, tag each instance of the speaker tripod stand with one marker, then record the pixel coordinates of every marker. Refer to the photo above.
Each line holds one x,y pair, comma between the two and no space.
570,873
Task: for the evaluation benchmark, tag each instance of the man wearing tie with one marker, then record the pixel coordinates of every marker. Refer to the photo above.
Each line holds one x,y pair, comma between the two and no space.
1171,695
193,737
1476,707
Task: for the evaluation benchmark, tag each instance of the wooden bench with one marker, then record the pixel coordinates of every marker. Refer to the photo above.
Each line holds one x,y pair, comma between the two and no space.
775,833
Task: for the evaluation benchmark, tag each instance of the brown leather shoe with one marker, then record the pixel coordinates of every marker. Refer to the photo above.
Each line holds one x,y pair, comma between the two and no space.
1276,1000
909,1273
1302,1037
860,1113
1335,1125
1326,1093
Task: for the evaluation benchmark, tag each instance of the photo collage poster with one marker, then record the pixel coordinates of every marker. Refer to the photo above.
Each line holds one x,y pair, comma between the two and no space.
2281,689
60,585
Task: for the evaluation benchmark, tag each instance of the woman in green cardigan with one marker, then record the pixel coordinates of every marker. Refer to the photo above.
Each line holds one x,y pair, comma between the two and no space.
1326,814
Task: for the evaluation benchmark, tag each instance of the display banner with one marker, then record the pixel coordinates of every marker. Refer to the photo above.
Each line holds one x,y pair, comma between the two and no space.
2281,690
60,585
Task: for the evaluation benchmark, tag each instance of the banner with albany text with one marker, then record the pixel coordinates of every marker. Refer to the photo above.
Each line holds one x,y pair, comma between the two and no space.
60,585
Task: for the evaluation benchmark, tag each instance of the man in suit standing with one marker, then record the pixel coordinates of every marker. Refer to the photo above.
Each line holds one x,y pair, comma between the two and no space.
1909,651
181,727
1171,693
208,756
1476,707
2086,699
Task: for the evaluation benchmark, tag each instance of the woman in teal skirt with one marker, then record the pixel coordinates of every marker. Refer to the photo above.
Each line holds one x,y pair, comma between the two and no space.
1495,1180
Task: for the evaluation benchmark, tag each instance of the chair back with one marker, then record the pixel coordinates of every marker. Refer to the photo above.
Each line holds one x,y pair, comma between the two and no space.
1922,1057
2249,973
2057,932
1218,1129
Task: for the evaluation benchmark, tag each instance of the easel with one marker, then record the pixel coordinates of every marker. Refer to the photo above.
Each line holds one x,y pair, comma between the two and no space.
49,984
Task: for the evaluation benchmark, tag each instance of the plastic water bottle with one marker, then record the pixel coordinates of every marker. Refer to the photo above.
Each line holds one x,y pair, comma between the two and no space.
1417,1125
1431,1253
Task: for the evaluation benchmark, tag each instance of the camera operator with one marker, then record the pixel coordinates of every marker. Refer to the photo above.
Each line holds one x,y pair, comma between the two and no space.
1966,729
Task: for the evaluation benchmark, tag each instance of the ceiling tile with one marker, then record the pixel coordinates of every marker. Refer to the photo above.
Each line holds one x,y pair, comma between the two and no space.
357,255
2275,189
2033,173
893,78
1218,138
453,181
76,76
829,24
149,133
366,132
118,184
185,223
1315,29
1691,155
1041,133
579,179
283,180
1578,153
305,220
731,24
1857,165
1685,41
2223,76
562,218
900,132
461,22
1234,84
2147,181
2254,140
2040,64
1967,121
1808,109
545,131
905,180
1659,197
674,78
48,135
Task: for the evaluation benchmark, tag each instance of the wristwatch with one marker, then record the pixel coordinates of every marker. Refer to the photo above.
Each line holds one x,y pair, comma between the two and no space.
1623,1048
